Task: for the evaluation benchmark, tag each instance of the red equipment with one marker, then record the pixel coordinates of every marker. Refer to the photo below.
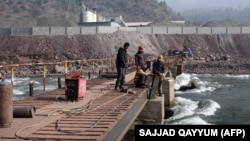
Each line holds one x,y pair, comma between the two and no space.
75,88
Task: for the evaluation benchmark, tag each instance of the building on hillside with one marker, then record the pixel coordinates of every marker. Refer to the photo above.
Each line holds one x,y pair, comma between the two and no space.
90,17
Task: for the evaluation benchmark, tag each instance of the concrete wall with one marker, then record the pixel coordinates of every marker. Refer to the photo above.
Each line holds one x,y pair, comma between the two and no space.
5,31
21,31
58,31
146,30
41,30
159,30
127,29
204,30
189,30
219,30
104,29
174,30
88,30
234,30
245,30
73,30
108,29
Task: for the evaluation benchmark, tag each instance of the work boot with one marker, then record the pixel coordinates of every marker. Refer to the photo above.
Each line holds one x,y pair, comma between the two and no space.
117,88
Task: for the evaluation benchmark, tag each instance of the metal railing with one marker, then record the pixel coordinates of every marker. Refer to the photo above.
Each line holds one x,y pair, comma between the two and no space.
97,66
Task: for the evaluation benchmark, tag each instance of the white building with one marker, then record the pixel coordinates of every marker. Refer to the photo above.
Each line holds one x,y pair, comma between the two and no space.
92,18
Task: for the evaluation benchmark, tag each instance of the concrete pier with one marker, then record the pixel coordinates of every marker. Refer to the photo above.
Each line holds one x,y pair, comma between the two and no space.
168,90
155,109
153,112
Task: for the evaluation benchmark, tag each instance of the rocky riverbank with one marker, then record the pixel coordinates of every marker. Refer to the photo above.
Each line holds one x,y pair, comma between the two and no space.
236,66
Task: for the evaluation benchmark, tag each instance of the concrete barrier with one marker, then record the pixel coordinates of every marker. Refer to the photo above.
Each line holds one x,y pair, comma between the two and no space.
127,29
41,30
175,30
159,30
104,29
73,30
219,30
145,30
58,31
189,30
5,31
89,30
21,31
245,30
204,30
107,29
234,30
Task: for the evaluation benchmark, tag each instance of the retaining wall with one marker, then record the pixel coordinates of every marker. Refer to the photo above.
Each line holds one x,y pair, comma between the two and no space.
106,29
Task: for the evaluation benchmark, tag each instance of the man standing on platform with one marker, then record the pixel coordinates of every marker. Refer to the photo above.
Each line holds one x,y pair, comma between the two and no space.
121,65
159,69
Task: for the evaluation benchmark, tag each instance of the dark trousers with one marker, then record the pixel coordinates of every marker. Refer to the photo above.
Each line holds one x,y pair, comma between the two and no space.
143,79
120,80
160,85
140,80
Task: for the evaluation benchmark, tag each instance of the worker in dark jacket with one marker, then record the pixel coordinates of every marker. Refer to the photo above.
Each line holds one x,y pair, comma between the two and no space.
140,60
159,69
140,63
121,65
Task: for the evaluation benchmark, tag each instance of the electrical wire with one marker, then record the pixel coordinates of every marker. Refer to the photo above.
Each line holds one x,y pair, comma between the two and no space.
55,111
95,123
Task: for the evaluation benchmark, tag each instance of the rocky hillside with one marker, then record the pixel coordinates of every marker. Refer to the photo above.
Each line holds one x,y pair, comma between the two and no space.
105,45
23,49
26,13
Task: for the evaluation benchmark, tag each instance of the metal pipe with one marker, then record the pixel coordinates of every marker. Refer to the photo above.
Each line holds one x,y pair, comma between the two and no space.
31,88
24,111
99,72
89,74
59,83
44,84
44,77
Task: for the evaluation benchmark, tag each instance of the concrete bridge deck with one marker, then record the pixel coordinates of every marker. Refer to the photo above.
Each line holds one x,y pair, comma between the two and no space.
103,114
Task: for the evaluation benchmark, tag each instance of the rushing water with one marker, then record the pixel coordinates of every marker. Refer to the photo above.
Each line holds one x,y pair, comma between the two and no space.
220,99
21,86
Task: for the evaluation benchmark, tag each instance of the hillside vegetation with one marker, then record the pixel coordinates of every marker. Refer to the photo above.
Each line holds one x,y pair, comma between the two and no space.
14,11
